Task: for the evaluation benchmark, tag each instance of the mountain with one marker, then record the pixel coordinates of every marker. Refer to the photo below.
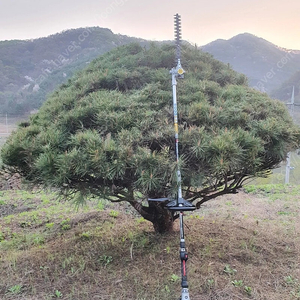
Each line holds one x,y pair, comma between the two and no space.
31,69
284,92
266,65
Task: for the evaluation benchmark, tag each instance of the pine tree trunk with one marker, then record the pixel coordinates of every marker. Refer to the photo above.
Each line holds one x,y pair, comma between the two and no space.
163,221
161,218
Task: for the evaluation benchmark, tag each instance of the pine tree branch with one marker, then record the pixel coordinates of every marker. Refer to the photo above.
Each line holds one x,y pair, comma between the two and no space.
142,210
215,195
212,192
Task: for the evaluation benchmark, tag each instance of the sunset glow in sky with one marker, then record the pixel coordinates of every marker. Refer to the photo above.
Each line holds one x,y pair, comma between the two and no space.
202,21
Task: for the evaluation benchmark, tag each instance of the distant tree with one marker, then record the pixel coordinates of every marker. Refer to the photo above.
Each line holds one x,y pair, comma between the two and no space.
109,133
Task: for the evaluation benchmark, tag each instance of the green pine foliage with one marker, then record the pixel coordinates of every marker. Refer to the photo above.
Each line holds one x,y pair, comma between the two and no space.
109,130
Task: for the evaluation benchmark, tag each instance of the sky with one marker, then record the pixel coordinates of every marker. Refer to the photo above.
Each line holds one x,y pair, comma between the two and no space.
202,21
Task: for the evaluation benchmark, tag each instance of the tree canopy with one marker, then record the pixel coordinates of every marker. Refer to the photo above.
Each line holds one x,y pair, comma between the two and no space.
108,132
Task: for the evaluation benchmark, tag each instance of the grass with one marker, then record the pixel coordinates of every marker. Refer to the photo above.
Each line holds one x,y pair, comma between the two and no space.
245,246
278,174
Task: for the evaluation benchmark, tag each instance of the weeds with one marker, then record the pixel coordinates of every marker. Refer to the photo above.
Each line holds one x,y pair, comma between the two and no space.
114,213
248,290
237,283
16,289
86,235
210,283
49,225
65,224
105,260
290,280
229,270
174,278
58,294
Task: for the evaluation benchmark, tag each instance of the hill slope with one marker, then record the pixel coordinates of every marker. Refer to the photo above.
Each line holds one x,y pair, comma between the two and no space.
284,92
266,65
33,68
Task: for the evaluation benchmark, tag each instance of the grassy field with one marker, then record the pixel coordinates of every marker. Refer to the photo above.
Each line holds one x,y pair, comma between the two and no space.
245,246
278,174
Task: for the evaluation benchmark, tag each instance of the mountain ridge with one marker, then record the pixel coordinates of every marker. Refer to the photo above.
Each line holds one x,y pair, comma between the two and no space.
31,69
266,65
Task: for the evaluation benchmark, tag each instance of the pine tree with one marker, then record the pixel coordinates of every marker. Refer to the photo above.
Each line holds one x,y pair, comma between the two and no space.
109,132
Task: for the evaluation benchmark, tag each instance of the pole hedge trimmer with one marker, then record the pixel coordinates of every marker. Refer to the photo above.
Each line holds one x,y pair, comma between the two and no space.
178,204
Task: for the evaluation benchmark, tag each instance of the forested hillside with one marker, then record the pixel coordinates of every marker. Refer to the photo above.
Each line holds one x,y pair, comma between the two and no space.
31,69
266,65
